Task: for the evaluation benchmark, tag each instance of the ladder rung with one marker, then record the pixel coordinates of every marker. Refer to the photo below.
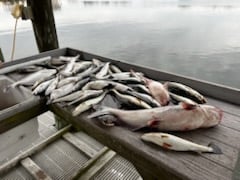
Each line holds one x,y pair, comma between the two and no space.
34,169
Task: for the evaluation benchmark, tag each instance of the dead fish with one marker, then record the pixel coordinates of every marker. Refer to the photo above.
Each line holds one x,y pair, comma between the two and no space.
175,99
62,91
85,95
127,99
180,117
103,71
29,69
24,64
81,66
125,75
32,78
69,67
115,69
175,143
52,86
140,88
42,87
96,85
97,62
120,87
89,72
76,95
41,80
157,90
68,80
144,97
86,105
67,89
185,91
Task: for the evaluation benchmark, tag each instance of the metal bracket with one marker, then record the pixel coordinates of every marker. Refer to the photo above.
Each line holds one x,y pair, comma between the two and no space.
27,13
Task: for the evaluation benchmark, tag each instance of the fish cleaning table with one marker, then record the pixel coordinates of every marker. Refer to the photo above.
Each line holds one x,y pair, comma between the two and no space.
154,162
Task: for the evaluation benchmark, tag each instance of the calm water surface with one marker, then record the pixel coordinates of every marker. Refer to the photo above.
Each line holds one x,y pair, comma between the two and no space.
197,38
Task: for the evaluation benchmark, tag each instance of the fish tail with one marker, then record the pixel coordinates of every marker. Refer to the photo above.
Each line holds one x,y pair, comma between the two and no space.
100,112
215,148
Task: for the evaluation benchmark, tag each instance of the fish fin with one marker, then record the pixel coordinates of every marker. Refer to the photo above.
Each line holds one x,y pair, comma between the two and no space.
165,85
188,106
103,111
139,128
215,148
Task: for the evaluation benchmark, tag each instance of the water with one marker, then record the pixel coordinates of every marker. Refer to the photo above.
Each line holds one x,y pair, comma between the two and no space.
196,38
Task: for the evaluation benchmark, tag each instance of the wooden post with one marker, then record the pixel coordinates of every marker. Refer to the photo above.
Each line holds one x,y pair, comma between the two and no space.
43,24
1,56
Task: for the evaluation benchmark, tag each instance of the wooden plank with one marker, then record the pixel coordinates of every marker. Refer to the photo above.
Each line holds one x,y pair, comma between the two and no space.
27,63
226,107
22,112
97,166
35,148
89,163
166,164
34,169
231,121
226,160
1,57
53,53
79,144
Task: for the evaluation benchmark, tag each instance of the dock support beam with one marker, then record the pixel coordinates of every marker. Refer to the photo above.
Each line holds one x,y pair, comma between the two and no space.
43,24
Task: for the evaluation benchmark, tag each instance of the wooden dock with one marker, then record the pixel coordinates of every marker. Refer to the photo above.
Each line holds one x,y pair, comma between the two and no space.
153,162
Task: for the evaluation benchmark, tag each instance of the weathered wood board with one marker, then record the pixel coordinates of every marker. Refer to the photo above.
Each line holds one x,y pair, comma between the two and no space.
154,160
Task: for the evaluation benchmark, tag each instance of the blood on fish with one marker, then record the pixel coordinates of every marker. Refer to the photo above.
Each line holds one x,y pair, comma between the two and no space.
154,122
166,145
187,106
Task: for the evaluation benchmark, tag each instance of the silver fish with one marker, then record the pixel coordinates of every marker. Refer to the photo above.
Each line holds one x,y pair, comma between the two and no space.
144,97
69,67
97,85
97,62
86,105
131,99
180,117
24,64
32,78
175,99
29,69
140,88
68,80
64,90
185,91
69,97
175,143
103,71
85,95
41,80
89,72
42,87
115,69
81,66
52,86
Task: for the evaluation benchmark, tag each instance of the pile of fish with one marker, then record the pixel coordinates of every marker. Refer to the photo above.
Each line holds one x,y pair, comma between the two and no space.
83,84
